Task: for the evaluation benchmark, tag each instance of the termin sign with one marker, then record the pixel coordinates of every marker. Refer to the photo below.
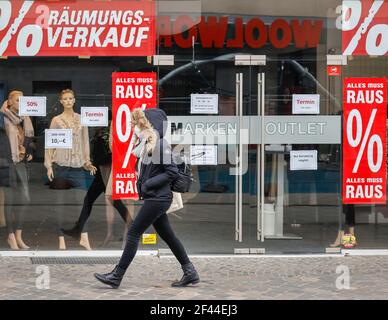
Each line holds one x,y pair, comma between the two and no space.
77,28
212,32
365,27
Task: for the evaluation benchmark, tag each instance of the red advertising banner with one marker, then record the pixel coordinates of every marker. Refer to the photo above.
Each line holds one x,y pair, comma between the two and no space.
130,90
77,28
364,141
365,27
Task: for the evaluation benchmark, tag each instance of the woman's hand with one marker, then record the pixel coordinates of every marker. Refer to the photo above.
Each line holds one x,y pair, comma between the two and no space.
50,174
29,157
91,168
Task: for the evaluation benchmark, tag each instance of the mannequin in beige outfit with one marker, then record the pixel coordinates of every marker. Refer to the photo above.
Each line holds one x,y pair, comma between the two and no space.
69,159
18,130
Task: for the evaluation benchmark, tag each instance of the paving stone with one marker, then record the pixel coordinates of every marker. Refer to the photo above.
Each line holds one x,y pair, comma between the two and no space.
222,278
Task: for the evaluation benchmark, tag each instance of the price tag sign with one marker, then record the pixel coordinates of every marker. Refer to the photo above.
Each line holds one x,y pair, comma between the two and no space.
130,90
364,141
32,106
94,116
58,139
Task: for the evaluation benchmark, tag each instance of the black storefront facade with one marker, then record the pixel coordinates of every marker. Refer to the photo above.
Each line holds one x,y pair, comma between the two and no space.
255,60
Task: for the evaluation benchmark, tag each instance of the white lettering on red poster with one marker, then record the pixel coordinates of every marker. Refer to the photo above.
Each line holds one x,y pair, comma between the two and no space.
77,28
130,90
364,141
365,27
334,71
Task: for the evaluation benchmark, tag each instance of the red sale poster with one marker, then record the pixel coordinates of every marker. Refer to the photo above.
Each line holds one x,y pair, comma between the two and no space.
364,27
130,90
77,28
364,141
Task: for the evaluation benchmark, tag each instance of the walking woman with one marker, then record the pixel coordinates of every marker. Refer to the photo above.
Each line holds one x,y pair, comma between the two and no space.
155,172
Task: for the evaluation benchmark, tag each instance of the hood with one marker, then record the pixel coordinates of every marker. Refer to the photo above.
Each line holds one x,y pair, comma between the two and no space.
157,117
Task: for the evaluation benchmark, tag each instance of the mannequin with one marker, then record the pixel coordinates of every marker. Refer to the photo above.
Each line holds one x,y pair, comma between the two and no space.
19,130
103,160
64,164
349,212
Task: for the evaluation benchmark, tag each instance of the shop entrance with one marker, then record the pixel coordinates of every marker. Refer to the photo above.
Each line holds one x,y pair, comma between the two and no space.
251,201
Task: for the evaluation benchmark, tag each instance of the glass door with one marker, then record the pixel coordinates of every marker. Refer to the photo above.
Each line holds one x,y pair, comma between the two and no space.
209,221
293,177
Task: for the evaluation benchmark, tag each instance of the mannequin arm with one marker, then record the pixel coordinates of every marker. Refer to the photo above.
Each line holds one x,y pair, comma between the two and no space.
49,153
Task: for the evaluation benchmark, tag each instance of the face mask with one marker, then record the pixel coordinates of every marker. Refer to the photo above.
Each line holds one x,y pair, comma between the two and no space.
137,130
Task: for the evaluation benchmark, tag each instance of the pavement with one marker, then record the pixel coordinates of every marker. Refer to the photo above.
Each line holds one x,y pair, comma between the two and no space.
235,277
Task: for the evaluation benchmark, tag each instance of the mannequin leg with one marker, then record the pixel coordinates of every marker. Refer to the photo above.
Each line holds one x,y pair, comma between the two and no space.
62,243
84,242
9,218
2,208
109,221
122,208
11,240
95,190
337,241
24,195
20,241
351,219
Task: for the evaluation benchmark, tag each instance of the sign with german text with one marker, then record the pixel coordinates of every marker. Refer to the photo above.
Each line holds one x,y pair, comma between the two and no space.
201,155
364,27
130,90
94,116
77,28
32,106
305,104
58,139
303,160
364,141
204,103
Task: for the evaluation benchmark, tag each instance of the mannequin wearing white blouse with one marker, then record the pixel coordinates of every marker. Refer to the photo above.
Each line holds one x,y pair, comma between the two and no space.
77,157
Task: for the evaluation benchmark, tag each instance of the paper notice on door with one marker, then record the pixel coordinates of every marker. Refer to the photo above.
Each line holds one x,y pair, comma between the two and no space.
203,155
32,106
94,116
204,104
305,104
303,160
58,139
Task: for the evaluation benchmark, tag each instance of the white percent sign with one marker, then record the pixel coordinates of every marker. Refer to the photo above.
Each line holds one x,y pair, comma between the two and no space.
124,111
33,31
373,45
355,141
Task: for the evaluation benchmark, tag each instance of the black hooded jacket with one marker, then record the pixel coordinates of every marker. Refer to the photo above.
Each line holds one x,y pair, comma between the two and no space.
157,170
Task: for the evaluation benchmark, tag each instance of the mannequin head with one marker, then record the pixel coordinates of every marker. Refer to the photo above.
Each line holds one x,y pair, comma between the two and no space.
67,99
13,99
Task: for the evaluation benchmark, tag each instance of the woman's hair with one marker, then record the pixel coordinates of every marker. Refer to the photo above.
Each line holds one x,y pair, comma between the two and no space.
140,119
63,92
14,92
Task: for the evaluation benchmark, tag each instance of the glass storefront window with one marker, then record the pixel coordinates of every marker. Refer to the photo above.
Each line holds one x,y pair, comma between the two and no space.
269,206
